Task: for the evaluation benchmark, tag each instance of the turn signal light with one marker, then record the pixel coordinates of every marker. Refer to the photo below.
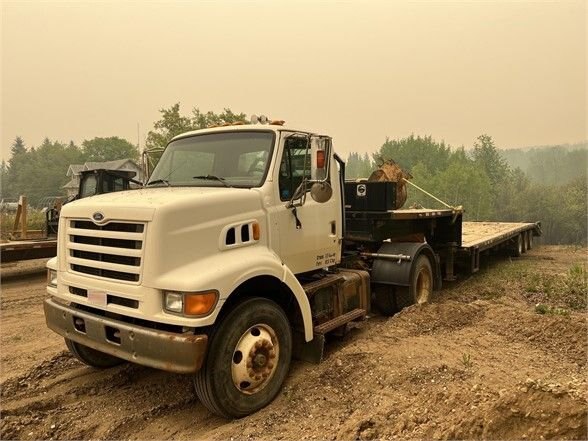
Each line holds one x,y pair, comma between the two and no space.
199,303
256,231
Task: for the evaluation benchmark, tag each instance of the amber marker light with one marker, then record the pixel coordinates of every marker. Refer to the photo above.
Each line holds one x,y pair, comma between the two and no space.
256,231
320,159
199,303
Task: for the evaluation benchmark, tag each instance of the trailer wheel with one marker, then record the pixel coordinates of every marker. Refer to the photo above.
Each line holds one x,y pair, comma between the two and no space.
529,239
248,359
518,248
92,357
385,299
421,285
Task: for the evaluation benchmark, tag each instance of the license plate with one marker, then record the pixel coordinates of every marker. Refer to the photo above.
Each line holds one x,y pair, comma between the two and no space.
97,297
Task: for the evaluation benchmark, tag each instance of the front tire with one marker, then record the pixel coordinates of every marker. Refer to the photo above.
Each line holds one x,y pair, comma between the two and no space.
420,289
92,357
248,359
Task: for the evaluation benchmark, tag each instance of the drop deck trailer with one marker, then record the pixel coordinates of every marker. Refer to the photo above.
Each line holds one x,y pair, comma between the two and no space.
371,227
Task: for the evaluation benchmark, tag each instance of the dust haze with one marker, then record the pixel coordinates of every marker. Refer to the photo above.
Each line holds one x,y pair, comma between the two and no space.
359,71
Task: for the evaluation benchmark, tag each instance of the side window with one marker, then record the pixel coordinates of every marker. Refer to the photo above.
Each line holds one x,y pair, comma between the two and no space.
295,166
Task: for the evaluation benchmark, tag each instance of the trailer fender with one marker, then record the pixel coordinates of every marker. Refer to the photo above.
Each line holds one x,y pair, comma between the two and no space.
399,272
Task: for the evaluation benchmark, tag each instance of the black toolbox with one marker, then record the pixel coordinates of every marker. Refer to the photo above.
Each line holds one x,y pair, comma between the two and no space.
370,196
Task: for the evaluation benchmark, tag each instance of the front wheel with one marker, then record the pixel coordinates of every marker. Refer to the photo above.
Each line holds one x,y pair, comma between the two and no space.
420,289
92,357
248,359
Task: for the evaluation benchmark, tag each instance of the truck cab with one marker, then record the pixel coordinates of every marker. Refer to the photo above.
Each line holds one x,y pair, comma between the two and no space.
200,271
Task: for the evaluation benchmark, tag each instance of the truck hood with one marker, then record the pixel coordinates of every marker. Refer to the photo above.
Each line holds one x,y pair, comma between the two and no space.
141,204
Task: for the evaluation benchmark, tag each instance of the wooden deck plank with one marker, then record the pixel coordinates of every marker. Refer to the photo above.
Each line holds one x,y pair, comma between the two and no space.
486,234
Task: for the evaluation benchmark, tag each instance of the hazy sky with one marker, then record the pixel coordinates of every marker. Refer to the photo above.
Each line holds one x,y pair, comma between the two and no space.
358,71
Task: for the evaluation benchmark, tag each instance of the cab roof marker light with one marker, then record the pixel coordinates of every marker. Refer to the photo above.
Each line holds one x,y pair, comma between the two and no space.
261,119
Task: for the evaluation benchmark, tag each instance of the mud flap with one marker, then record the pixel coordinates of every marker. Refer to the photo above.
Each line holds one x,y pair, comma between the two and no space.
311,351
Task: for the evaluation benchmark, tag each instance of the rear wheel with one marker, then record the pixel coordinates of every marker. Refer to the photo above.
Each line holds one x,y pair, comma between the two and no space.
92,357
421,285
248,359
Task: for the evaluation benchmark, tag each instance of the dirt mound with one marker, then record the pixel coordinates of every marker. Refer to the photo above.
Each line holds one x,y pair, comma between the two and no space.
528,413
478,363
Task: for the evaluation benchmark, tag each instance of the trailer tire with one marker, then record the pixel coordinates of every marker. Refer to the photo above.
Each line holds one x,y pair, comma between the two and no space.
421,285
248,359
385,299
518,247
92,357
529,240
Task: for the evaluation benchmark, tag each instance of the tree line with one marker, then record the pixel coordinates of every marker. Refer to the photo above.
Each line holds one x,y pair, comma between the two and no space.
547,184
552,188
40,171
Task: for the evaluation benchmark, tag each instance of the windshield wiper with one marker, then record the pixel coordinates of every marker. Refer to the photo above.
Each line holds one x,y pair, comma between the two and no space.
212,178
159,181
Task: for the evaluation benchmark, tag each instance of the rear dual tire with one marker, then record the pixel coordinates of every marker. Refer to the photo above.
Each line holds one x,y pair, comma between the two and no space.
390,299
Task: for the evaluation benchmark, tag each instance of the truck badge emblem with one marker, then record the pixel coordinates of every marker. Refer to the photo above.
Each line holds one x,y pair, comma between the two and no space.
98,216
361,190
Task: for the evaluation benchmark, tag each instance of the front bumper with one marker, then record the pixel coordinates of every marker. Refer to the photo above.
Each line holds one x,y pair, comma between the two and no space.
180,353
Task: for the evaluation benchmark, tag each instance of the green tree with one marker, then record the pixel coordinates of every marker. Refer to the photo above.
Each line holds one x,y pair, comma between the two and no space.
410,151
40,171
109,149
18,159
487,157
358,166
3,178
173,123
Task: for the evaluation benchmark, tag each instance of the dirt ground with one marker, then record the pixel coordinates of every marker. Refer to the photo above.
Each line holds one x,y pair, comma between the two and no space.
479,362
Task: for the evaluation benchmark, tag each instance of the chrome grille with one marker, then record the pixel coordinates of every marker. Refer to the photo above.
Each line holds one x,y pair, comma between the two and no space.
110,251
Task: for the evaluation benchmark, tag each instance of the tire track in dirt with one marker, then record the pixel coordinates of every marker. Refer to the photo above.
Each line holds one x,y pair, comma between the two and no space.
61,398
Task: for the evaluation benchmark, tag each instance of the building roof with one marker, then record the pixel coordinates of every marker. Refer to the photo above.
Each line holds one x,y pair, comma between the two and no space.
74,169
72,184
109,165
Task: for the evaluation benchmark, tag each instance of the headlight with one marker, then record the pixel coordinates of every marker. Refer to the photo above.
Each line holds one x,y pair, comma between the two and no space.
174,302
190,303
52,278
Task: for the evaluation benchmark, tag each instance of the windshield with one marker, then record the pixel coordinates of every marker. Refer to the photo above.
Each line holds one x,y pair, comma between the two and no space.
230,159
88,186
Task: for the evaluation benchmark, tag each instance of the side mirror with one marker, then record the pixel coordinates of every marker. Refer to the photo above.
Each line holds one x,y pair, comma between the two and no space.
321,192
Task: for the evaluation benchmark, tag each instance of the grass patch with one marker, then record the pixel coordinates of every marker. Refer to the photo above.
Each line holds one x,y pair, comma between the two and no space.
558,291
560,287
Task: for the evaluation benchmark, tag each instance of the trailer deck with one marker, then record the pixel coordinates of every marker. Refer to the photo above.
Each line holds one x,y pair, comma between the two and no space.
484,235
27,249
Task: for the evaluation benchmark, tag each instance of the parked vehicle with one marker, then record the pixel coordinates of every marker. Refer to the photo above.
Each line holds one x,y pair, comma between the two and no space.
245,248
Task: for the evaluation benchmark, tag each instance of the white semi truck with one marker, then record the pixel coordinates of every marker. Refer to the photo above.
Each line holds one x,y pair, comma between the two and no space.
242,251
